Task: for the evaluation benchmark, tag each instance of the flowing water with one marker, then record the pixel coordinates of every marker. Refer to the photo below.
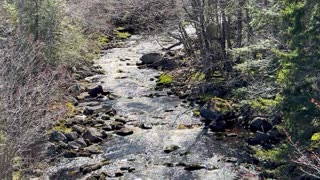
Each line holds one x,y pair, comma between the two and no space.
166,114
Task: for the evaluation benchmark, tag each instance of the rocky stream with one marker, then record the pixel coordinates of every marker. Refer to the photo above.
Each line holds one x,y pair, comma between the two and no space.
132,131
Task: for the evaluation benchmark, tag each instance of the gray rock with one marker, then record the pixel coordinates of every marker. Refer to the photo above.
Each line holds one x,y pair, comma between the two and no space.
57,136
260,138
92,135
94,149
88,111
151,58
171,148
74,145
231,159
146,126
95,91
82,142
217,125
260,124
71,136
275,135
105,117
63,145
70,154
107,128
50,149
209,115
123,121
124,132
74,89
78,129
194,167
116,125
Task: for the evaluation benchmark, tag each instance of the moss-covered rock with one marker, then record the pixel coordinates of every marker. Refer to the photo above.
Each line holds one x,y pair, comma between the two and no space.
165,79
222,106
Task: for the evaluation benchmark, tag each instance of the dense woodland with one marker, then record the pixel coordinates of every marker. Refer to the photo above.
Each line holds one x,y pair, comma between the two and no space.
261,56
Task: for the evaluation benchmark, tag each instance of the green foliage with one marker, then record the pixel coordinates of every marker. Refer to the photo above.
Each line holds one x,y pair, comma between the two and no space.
165,78
278,154
265,104
299,66
12,11
71,46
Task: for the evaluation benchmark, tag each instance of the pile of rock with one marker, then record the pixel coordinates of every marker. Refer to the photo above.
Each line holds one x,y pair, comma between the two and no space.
94,122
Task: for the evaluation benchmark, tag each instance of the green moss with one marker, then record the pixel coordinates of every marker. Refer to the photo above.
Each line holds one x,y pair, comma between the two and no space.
165,79
278,154
61,126
206,97
221,105
71,109
315,137
122,35
120,28
198,76
103,40
196,112
264,104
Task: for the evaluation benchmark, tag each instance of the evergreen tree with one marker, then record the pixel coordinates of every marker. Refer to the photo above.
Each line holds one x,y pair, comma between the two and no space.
300,63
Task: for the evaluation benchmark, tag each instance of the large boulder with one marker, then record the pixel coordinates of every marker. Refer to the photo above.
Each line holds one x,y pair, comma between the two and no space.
95,91
260,124
57,136
216,109
151,58
78,129
71,136
94,149
217,125
164,64
92,135
124,132
88,111
209,115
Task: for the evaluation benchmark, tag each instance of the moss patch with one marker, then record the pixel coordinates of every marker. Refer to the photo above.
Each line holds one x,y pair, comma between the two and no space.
103,40
165,79
278,154
198,77
182,126
121,35
71,109
221,105
196,113
61,126
265,104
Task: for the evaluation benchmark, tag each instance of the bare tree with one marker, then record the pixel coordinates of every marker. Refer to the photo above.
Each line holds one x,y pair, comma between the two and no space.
29,90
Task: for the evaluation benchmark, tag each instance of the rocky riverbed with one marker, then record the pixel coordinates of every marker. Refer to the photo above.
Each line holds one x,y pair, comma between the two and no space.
125,129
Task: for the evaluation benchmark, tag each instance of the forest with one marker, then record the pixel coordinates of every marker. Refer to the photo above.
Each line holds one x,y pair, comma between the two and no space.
154,89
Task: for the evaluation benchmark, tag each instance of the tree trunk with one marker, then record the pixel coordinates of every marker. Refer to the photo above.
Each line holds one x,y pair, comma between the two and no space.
239,23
